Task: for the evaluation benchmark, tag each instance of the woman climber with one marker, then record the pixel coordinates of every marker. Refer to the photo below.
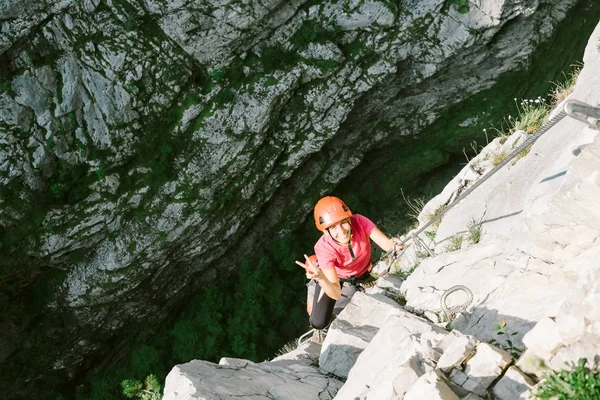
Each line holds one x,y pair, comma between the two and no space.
344,255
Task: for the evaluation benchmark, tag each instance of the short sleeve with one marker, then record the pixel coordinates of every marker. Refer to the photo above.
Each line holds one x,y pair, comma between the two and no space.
365,223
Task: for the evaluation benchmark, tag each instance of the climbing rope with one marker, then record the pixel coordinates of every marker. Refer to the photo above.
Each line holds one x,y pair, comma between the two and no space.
456,309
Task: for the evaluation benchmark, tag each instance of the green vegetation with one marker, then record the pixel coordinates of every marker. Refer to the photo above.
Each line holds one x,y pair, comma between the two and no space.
276,58
455,242
430,235
504,342
405,273
438,211
462,6
532,115
400,298
353,49
4,86
313,31
498,157
474,230
563,88
576,382
150,389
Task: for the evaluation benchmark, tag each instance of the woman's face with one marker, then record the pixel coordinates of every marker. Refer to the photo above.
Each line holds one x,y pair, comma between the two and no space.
340,231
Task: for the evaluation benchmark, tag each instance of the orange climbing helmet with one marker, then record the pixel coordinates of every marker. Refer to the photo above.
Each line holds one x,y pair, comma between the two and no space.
329,211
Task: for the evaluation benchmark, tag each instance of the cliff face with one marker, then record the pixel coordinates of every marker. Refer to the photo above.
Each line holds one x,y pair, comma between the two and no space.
532,273
142,143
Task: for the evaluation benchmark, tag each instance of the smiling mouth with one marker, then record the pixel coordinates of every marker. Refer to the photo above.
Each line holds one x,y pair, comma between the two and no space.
343,237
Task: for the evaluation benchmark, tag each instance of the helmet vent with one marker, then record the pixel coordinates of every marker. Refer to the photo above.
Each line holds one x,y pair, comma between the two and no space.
345,208
321,220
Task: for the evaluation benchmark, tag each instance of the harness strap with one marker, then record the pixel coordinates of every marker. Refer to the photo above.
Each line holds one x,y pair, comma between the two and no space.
357,280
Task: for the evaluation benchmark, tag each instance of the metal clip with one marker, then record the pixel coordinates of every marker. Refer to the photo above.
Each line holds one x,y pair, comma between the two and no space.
583,112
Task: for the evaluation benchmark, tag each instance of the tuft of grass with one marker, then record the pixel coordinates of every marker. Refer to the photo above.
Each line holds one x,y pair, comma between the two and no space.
415,205
455,242
437,212
522,154
575,382
499,157
430,235
287,348
533,114
474,230
563,89
404,273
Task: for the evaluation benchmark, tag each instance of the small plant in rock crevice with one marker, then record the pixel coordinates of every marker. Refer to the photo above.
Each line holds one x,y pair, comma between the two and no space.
404,273
533,114
498,157
474,230
430,235
505,343
563,89
455,242
400,298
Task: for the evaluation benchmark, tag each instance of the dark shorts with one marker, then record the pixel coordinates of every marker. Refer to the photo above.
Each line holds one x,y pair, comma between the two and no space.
324,309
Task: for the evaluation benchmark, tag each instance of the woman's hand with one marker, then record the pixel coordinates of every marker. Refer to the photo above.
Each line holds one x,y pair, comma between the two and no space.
312,269
386,244
397,245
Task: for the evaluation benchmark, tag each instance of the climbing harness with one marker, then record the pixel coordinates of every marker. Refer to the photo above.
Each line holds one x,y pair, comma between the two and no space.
456,309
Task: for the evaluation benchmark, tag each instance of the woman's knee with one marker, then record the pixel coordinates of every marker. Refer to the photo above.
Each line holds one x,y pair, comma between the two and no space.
319,323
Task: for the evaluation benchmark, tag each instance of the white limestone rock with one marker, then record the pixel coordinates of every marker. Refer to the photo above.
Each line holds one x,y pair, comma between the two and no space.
430,386
544,339
401,339
513,385
457,352
406,375
484,367
352,331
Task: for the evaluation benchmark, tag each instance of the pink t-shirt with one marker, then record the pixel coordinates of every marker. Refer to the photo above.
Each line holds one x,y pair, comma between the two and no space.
332,255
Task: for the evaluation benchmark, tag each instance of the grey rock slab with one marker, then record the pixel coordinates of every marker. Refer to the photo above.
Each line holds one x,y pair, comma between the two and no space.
234,378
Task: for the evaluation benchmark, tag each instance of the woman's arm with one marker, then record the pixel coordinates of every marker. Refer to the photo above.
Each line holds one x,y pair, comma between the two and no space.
383,241
330,283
